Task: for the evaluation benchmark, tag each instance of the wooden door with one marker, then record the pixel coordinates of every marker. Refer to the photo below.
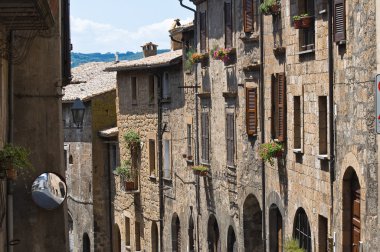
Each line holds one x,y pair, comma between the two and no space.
279,231
355,207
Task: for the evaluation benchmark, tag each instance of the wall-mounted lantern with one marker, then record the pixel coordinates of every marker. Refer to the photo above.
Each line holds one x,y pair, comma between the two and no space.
77,110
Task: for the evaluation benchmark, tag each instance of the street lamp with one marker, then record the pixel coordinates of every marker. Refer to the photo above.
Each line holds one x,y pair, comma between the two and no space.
77,110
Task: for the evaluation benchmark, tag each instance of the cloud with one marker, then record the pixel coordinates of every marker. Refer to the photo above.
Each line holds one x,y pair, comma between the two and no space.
90,36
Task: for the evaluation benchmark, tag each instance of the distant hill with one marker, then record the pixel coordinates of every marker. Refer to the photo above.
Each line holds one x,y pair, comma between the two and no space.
82,58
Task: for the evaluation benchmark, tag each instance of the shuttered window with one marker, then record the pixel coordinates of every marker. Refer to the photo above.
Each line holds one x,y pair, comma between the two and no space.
339,20
228,24
189,138
202,25
152,157
205,137
251,111
167,159
279,107
230,138
248,16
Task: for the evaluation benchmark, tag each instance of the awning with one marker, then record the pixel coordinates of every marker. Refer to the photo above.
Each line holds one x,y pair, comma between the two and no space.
112,132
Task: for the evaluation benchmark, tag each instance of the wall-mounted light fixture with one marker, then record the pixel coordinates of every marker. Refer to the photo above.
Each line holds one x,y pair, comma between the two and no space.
77,111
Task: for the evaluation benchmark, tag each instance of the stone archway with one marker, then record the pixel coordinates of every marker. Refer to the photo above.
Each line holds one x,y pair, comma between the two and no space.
116,243
191,234
86,243
154,237
302,230
176,233
275,229
231,240
213,235
252,224
351,211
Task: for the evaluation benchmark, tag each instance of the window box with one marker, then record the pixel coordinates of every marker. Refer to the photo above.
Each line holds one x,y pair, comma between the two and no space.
200,170
129,185
307,21
227,55
270,7
303,21
279,50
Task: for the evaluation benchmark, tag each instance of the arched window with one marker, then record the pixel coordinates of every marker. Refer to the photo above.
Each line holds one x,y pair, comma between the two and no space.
116,243
154,234
191,235
351,211
252,224
231,240
165,86
176,234
86,243
301,230
213,237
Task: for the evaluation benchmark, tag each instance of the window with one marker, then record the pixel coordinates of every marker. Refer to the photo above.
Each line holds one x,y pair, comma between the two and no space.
251,111
205,137
151,96
134,90
301,230
127,232
322,234
249,16
203,33
339,21
297,122
152,157
166,87
137,236
228,24
230,138
306,36
189,139
322,104
113,156
167,159
278,126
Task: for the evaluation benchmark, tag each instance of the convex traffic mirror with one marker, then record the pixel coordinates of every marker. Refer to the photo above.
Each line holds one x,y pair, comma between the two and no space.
48,191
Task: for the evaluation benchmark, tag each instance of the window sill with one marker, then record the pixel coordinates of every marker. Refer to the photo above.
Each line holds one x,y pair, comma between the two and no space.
297,151
252,67
323,157
131,191
249,37
305,52
232,167
189,161
229,94
152,177
168,180
166,100
205,164
204,95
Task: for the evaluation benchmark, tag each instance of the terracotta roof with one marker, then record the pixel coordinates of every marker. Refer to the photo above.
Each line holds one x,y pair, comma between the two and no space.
90,80
159,60
112,132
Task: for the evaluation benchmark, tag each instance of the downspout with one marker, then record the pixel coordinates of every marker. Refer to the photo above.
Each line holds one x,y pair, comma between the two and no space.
10,141
196,158
262,125
160,172
331,118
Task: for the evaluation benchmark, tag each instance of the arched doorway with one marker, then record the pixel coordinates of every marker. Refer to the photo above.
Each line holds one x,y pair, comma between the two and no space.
231,240
176,234
351,211
301,230
154,233
213,237
86,243
116,243
191,234
275,229
252,224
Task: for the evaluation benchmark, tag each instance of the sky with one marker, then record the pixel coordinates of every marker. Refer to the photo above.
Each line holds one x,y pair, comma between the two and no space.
123,25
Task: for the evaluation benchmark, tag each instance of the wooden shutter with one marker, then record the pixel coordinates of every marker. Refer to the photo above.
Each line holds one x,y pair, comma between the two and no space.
230,135
152,157
273,107
248,16
203,22
228,24
205,137
339,20
251,111
66,43
281,105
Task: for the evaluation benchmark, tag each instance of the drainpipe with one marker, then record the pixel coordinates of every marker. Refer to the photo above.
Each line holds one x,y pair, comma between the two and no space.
331,116
262,125
160,171
196,158
10,140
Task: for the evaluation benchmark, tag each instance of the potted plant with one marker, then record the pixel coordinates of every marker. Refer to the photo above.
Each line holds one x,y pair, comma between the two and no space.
200,170
297,22
306,20
199,58
291,245
227,55
124,171
133,140
14,160
270,7
269,151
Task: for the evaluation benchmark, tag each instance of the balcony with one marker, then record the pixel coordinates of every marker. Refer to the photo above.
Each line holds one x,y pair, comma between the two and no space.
26,14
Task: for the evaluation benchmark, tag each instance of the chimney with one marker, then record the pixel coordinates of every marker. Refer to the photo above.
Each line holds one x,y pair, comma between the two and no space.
149,49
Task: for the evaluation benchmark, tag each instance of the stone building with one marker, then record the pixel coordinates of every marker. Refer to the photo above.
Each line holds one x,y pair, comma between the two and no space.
91,155
34,51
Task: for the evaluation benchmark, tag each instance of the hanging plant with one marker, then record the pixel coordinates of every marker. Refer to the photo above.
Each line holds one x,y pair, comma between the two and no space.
224,54
200,170
269,151
270,7
132,139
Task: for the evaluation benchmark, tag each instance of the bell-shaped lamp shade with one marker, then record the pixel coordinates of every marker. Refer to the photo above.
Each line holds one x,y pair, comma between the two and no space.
77,110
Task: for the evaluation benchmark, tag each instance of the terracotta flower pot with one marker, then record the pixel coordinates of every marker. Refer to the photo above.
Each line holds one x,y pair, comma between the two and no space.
11,173
200,173
297,24
306,22
279,154
275,9
129,185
